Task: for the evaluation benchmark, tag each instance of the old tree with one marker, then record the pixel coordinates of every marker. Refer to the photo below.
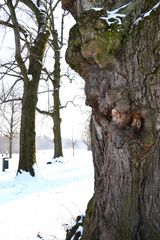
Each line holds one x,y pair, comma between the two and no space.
30,66
115,47
35,34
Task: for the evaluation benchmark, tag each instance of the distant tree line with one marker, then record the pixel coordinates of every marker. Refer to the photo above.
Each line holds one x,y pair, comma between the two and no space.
4,144
42,142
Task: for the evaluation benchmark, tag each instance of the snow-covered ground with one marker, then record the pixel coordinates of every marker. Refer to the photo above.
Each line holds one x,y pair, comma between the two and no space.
46,204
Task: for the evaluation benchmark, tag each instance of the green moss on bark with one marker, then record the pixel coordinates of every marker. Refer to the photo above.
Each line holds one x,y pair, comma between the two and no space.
94,41
102,48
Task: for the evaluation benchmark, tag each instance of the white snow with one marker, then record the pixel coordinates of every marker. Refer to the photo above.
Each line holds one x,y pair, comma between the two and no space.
146,14
96,9
47,204
113,16
42,6
30,78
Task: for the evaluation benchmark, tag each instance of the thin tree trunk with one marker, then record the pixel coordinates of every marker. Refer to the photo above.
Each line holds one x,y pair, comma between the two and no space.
56,98
57,122
11,132
10,146
57,136
10,138
55,78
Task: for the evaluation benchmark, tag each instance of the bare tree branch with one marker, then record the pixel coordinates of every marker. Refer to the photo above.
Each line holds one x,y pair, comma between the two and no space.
50,114
10,100
62,27
72,102
5,97
17,40
34,9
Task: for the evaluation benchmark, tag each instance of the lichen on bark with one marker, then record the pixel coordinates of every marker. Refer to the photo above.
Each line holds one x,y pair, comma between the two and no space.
120,66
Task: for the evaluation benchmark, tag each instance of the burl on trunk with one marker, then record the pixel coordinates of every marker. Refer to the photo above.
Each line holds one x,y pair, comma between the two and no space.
115,47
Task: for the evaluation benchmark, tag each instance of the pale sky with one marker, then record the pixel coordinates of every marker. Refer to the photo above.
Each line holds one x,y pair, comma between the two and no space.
73,118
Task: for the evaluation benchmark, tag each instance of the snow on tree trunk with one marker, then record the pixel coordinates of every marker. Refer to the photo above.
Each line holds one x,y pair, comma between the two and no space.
117,53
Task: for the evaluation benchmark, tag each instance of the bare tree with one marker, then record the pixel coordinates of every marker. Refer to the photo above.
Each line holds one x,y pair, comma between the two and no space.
30,65
54,76
10,113
30,46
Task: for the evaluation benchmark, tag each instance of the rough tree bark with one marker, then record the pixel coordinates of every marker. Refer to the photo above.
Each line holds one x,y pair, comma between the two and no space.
119,58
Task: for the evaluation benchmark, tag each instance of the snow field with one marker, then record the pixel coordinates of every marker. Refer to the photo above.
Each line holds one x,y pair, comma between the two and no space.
48,203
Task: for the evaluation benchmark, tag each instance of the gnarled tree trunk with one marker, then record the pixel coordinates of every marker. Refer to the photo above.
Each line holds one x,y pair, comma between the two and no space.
118,55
